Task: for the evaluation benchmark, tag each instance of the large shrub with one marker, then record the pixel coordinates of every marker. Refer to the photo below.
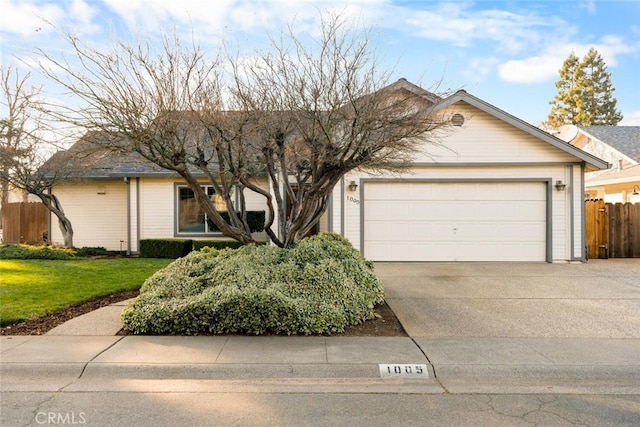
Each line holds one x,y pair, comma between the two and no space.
319,286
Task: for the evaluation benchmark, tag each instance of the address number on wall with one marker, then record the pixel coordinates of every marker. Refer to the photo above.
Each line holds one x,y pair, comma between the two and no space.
396,370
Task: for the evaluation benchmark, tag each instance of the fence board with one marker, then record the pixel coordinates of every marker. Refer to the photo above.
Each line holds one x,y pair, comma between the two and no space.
634,232
612,230
597,229
23,222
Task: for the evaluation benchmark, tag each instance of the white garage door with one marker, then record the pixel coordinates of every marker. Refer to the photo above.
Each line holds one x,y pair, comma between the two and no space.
461,221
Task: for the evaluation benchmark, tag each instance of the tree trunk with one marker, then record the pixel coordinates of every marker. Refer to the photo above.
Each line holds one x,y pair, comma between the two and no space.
53,204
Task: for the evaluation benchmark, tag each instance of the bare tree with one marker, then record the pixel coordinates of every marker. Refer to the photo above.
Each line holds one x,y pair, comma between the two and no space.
23,149
301,115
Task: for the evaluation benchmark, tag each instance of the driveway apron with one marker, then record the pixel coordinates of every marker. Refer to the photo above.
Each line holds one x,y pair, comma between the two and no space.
536,321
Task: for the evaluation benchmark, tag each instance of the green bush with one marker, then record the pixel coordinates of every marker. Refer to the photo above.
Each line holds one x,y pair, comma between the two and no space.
215,244
88,251
165,248
319,286
20,251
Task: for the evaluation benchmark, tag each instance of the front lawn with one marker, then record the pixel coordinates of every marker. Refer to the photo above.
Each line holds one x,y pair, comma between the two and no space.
30,288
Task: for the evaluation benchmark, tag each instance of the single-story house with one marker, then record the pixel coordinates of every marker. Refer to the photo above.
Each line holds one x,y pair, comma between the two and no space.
495,189
620,147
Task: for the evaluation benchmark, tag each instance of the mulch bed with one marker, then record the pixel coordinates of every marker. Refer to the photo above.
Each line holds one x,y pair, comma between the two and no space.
385,324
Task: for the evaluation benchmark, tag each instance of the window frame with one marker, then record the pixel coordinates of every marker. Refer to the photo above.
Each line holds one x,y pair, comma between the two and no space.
178,186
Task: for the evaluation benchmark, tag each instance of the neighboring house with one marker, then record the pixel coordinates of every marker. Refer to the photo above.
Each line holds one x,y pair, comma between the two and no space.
620,147
495,189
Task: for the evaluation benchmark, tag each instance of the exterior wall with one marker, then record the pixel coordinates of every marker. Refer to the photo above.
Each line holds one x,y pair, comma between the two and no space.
576,192
97,213
157,199
486,148
561,205
486,139
615,193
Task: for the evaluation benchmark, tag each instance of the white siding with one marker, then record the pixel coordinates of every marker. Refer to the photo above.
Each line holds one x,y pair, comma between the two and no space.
134,193
157,201
486,148
97,211
157,208
486,139
101,219
577,193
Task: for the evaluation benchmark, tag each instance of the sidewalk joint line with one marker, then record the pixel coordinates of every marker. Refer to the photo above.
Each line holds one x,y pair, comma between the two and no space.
97,355
435,374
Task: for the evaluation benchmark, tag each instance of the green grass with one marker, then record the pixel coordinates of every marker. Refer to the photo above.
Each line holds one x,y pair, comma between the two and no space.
30,288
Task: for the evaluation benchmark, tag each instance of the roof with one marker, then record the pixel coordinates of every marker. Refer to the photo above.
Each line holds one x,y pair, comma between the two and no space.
88,159
93,161
625,139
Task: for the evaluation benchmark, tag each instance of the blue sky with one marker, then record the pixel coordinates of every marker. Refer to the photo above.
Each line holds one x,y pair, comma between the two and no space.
506,53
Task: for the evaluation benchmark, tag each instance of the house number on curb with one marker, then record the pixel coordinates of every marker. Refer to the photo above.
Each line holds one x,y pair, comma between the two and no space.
403,371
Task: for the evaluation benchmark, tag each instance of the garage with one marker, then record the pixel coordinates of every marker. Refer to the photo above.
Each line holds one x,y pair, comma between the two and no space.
455,221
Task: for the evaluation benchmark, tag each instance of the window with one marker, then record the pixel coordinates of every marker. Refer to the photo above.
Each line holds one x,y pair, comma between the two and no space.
191,217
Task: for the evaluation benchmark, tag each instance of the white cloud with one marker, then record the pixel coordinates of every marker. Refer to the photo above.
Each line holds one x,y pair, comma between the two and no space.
27,18
462,26
630,118
589,6
35,20
534,69
545,66
479,69
225,17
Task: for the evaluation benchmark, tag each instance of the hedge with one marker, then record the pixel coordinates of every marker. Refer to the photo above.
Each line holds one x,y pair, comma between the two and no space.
177,248
165,248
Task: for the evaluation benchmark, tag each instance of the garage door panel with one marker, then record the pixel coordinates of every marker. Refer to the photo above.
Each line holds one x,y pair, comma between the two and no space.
496,232
414,252
455,221
504,252
409,231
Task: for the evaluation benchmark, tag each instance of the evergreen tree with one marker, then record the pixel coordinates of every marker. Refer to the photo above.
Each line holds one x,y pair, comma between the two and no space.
585,93
564,106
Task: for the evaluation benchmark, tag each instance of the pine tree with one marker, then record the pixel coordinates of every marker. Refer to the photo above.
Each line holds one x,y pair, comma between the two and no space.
564,106
585,93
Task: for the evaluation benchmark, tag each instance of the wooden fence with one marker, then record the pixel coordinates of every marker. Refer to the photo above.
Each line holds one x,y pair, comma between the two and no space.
24,223
612,230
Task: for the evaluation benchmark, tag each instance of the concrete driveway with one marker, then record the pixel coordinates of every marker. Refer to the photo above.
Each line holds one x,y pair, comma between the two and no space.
600,299
522,327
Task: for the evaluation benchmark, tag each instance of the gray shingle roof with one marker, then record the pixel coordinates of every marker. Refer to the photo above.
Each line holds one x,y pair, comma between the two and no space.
625,139
88,159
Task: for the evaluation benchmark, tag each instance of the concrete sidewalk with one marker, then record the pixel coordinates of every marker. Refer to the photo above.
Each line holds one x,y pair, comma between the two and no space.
478,328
